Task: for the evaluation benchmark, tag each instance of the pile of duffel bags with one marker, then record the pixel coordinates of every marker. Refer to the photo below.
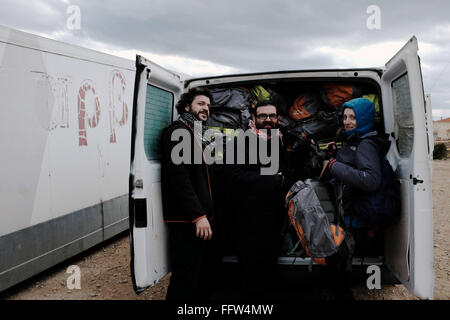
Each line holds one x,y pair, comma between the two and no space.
314,114
231,106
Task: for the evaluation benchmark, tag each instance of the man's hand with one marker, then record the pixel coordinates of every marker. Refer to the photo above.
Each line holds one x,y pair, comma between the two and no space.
203,229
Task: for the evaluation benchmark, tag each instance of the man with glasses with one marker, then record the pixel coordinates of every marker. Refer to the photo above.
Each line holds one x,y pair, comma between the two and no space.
265,116
259,203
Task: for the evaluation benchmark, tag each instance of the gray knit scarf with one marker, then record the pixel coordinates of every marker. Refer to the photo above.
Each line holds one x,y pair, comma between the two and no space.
199,127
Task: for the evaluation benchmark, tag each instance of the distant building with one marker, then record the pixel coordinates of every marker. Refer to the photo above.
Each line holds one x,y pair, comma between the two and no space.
441,129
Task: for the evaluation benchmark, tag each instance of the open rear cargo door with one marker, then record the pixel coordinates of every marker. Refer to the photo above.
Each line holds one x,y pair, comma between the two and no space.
409,244
156,92
430,131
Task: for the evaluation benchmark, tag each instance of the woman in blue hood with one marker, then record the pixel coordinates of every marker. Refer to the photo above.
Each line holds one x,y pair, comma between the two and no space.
357,164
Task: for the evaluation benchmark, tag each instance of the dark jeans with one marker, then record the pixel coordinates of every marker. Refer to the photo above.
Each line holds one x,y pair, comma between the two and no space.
195,264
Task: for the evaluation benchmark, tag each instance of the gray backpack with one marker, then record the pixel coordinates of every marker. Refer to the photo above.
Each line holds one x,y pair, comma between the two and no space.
319,237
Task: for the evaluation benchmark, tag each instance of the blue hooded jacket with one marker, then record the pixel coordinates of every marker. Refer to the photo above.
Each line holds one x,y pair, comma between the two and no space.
365,116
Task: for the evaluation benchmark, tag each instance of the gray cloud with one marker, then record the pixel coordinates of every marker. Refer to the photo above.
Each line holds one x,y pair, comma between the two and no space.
251,35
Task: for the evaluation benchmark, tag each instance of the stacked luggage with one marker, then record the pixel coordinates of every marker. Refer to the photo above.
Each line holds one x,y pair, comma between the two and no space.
230,108
307,114
317,113
313,114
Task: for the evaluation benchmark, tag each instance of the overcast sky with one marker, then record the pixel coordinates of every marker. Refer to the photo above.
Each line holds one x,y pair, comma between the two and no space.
205,37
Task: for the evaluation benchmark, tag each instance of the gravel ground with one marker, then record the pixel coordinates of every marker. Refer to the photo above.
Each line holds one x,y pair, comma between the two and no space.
105,269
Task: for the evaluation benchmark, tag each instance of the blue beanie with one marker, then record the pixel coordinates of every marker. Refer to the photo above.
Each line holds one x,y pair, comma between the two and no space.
365,116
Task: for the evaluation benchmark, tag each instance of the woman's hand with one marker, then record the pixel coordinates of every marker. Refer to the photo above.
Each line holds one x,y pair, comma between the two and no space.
331,149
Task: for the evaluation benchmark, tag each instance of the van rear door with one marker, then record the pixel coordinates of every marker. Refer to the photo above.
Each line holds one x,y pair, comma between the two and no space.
156,92
409,244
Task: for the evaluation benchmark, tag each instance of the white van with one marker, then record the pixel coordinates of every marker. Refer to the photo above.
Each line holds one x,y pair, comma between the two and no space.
406,118
65,136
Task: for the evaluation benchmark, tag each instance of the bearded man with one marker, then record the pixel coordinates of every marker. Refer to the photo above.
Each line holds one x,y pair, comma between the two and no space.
259,202
188,202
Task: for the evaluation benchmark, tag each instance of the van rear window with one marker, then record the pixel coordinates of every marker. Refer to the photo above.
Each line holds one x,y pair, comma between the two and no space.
403,115
158,114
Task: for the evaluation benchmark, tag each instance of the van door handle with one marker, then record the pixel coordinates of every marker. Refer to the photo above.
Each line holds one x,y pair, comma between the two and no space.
138,184
415,180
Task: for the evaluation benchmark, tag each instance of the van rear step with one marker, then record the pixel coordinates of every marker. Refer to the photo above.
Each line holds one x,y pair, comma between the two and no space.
295,272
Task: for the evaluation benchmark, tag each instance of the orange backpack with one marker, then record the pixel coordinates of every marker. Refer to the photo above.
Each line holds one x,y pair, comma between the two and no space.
336,94
304,106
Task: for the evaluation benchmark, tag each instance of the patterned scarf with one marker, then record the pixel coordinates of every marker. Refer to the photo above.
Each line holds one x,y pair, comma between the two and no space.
262,134
199,127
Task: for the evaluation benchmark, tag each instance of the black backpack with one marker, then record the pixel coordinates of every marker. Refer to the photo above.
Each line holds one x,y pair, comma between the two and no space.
380,208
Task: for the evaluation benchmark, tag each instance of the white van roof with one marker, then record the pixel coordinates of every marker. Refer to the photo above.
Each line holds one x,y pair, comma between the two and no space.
32,41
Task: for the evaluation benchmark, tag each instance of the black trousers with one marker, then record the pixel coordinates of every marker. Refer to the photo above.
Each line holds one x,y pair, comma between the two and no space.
258,241
337,277
195,264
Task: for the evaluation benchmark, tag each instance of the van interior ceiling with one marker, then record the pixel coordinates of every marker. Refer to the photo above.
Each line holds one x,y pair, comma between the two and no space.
319,99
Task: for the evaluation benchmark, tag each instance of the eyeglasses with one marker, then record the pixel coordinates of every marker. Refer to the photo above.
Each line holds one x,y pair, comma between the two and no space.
264,116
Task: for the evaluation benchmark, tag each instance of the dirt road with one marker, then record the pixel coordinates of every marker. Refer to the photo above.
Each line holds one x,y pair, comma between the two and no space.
105,269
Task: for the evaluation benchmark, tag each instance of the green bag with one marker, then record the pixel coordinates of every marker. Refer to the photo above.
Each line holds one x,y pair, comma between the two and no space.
374,98
259,93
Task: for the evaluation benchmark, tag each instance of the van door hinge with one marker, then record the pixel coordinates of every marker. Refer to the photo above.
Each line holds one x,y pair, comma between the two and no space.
415,180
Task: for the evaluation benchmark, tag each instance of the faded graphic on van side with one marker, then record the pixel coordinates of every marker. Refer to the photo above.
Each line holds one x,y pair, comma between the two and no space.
53,107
